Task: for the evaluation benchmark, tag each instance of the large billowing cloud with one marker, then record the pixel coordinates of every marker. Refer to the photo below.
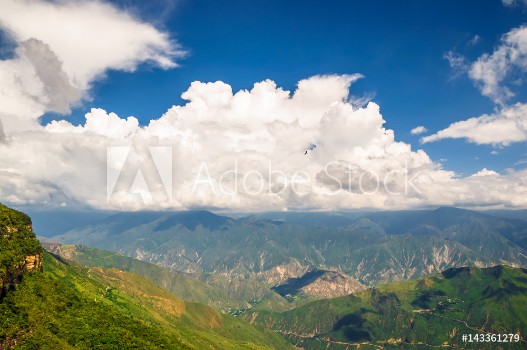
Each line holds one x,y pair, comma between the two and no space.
89,37
263,149
60,48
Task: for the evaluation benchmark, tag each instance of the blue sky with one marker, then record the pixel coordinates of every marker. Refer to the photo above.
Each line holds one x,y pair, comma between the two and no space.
398,46
79,78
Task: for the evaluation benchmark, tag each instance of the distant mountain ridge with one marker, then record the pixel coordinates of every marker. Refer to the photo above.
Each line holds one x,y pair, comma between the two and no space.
241,255
161,238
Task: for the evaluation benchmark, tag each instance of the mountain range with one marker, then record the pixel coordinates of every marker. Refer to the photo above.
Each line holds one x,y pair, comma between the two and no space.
252,257
433,311
215,290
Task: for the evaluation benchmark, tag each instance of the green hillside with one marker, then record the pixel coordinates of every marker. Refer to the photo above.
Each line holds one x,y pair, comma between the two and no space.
184,286
229,294
48,302
430,311
71,306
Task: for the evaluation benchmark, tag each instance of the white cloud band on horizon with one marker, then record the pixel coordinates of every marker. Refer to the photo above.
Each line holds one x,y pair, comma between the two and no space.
250,130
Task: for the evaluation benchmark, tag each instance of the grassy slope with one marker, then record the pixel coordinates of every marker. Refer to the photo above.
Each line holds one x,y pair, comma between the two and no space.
181,285
412,314
229,294
221,292
72,306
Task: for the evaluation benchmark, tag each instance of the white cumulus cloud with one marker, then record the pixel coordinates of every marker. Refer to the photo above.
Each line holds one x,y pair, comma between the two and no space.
89,37
418,130
492,74
505,126
485,172
490,71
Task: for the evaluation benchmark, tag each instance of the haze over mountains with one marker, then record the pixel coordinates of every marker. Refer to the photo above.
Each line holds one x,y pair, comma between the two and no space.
200,241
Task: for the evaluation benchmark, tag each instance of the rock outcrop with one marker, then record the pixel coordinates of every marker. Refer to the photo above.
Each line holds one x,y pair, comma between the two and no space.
332,284
20,251
319,284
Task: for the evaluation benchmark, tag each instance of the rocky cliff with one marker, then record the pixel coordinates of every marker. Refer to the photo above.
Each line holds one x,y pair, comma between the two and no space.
332,284
20,251
318,284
